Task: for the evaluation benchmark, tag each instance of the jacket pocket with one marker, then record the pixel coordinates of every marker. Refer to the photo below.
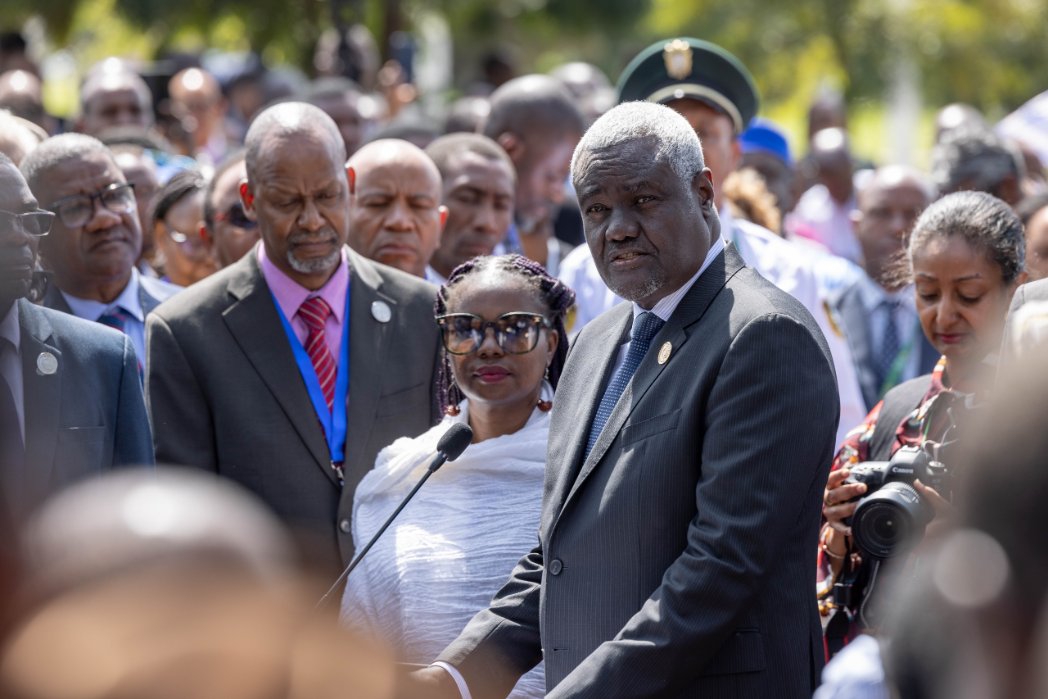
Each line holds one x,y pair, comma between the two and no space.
652,426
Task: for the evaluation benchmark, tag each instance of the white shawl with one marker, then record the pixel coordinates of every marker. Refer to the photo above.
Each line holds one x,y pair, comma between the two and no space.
453,546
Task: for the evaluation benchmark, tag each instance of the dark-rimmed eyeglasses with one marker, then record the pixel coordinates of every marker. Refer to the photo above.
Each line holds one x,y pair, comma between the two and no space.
76,210
235,216
516,332
34,223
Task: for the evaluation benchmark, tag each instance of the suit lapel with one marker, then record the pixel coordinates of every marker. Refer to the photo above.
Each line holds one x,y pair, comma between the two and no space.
253,321
43,393
368,343
857,333
147,300
53,298
675,332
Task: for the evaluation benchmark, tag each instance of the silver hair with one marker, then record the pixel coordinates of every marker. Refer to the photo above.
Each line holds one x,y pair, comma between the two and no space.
675,142
285,119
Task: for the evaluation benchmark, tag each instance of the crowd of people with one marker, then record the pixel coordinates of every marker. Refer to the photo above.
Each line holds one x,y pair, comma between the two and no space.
734,413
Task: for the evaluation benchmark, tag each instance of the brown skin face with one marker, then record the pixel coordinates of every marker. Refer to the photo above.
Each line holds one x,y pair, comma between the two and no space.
478,193
17,248
649,232
888,208
1037,245
187,257
141,172
92,261
502,388
542,169
395,210
962,302
114,102
300,198
196,94
347,117
229,241
720,148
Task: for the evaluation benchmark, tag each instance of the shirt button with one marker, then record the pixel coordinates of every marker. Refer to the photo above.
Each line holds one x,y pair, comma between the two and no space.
555,566
345,527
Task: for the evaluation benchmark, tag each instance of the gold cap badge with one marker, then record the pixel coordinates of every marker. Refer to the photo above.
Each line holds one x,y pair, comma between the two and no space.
677,56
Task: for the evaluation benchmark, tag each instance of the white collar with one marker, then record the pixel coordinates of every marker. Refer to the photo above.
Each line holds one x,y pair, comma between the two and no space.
129,300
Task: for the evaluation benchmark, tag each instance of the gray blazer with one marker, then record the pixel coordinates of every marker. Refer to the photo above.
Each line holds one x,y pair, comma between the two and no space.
225,394
678,558
87,416
855,322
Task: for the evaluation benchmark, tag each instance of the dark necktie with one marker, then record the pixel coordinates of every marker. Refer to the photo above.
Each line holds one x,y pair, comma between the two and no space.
118,319
890,344
645,327
12,449
314,312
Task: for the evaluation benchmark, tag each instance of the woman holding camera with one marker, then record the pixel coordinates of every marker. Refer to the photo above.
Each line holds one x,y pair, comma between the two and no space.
966,258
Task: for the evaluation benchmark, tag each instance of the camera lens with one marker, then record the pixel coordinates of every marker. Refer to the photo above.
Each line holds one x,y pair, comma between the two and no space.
889,517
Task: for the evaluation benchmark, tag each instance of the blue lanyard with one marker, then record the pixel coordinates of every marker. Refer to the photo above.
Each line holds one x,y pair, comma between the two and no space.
333,421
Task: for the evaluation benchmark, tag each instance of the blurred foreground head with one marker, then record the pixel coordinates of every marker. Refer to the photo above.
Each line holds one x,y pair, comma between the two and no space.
173,585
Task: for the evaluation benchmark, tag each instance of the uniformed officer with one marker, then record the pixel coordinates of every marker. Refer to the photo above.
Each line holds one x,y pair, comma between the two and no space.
713,90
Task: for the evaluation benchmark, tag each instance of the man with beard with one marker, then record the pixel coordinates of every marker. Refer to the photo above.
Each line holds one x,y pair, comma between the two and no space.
290,369
536,122
96,238
70,402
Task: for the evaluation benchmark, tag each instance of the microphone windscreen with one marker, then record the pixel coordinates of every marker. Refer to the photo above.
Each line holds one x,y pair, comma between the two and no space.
455,441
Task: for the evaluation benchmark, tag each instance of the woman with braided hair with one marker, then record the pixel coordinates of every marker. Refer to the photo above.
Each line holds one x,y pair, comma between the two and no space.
504,346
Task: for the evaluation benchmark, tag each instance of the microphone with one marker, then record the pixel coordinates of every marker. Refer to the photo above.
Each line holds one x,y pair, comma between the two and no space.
451,445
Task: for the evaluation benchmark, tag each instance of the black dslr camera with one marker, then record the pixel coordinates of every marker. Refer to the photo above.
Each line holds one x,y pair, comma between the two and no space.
892,512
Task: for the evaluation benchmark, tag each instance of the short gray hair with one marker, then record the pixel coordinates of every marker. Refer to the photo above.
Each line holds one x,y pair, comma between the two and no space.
675,142
57,150
285,119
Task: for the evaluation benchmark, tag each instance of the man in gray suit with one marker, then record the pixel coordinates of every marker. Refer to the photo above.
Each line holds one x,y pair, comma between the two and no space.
289,370
96,240
676,552
71,404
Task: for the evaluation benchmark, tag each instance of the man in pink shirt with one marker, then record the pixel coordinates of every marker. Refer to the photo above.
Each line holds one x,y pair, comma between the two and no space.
289,370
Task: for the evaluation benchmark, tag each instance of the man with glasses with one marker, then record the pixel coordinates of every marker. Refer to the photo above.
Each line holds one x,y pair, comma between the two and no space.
290,369
96,238
226,226
70,401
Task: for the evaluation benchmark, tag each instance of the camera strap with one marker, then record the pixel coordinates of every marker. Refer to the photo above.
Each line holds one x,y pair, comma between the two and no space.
898,404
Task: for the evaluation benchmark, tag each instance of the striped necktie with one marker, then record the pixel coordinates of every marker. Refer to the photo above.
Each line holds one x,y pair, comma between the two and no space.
314,312
645,327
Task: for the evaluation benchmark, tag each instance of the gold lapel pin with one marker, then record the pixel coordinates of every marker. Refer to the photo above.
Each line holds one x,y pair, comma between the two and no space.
664,352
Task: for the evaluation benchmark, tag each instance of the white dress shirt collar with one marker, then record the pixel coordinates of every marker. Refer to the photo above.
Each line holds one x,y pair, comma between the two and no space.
129,299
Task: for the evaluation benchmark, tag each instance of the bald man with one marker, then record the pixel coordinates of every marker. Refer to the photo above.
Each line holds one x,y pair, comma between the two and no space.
878,313
196,98
395,214
290,369
113,95
21,93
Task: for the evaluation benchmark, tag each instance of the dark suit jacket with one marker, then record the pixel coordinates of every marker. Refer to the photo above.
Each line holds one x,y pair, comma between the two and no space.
678,558
855,321
86,417
225,393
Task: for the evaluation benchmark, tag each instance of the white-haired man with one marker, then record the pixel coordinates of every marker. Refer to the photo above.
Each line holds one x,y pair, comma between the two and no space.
689,442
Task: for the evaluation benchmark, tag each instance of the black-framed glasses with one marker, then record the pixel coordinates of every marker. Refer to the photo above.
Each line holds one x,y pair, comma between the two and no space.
235,216
516,332
76,210
34,223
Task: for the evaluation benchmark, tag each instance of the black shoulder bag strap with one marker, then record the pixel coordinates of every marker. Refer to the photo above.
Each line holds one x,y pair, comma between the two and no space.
898,403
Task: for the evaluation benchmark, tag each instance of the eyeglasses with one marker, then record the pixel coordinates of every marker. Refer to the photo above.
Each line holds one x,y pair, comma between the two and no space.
77,210
516,332
34,223
235,216
192,244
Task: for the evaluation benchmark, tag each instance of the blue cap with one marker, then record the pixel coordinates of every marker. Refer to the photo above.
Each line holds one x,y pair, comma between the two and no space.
765,136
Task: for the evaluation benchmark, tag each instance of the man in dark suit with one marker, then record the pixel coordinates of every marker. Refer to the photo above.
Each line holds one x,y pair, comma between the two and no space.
70,401
679,524
96,237
878,313
290,369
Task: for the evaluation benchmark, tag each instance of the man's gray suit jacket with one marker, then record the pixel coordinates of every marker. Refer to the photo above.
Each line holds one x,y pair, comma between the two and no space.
225,393
84,409
678,558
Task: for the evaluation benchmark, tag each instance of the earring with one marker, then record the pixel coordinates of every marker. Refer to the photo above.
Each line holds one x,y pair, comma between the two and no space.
543,404
453,399
452,411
